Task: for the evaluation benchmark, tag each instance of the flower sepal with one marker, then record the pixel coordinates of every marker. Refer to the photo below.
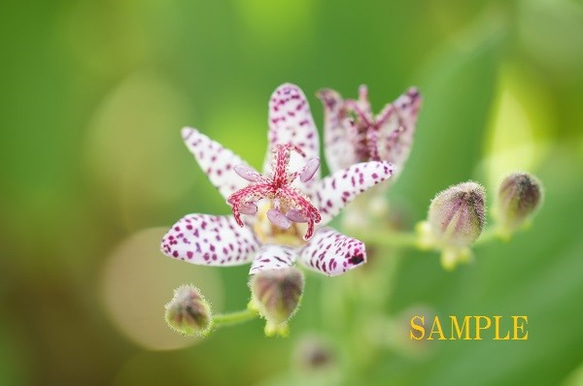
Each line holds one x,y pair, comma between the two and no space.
276,329
271,328
452,256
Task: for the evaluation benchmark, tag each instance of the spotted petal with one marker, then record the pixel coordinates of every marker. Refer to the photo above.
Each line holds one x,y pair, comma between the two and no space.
216,161
397,124
337,190
210,240
338,147
290,121
332,253
270,257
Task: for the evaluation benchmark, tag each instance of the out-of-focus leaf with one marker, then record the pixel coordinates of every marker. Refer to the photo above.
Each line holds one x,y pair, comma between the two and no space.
457,88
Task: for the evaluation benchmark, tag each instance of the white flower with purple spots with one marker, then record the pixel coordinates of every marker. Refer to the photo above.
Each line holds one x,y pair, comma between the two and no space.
352,134
280,216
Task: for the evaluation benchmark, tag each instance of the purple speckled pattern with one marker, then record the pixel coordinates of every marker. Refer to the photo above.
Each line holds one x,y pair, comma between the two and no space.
290,121
334,192
332,253
271,257
352,134
216,161
338,147
291,180
210,240
396,127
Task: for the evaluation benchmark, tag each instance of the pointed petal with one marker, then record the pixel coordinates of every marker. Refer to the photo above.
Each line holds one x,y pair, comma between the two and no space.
332,253
210,240
363,101
337,190
362,105
397,128
216,161
290,121
271,257
340,152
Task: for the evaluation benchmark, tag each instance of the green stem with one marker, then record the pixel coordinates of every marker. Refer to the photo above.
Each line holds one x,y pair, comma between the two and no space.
388,238
488,235
234,317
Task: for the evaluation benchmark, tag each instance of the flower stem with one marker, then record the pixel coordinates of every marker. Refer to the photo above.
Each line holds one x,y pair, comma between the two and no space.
489,234
388,238
234,317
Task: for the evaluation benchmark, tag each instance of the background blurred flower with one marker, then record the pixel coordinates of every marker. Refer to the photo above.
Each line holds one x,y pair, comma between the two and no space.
352,134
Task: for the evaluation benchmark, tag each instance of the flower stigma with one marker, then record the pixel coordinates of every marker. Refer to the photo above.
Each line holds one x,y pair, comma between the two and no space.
284,211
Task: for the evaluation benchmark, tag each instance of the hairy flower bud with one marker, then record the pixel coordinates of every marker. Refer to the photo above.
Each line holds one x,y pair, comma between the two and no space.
519,197
276,295
188,312
457,214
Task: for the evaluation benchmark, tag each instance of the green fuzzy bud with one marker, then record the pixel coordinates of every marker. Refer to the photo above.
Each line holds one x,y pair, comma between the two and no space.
188,312
457,215
276,295
519,196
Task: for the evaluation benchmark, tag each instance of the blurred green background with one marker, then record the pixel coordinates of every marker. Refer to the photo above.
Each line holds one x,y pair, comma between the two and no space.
93,170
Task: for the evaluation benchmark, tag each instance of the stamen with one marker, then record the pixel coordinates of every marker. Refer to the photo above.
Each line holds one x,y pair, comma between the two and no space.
247,172
310,169
248,208
278,219
295,216
277,188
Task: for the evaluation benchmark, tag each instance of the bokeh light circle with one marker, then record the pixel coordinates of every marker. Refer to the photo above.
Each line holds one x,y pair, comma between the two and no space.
137,281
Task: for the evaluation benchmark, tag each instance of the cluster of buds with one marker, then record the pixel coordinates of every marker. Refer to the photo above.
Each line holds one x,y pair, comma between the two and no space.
457,215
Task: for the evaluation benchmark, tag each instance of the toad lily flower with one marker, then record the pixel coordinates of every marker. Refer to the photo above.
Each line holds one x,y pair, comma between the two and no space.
278,216
352,134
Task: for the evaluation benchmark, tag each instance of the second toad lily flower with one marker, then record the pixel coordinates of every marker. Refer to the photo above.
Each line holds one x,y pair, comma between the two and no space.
352,134
278,216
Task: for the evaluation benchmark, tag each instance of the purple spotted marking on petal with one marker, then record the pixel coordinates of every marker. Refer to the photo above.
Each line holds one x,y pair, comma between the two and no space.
310,169
396,128
291,122
247,172
216,161
210,240
295,216
332,253
278,219
272,257
352,134
337,190
338,146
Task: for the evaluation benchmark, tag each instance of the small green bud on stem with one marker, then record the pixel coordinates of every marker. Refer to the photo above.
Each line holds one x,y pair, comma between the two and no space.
519,196
276,295
457,214
188,312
